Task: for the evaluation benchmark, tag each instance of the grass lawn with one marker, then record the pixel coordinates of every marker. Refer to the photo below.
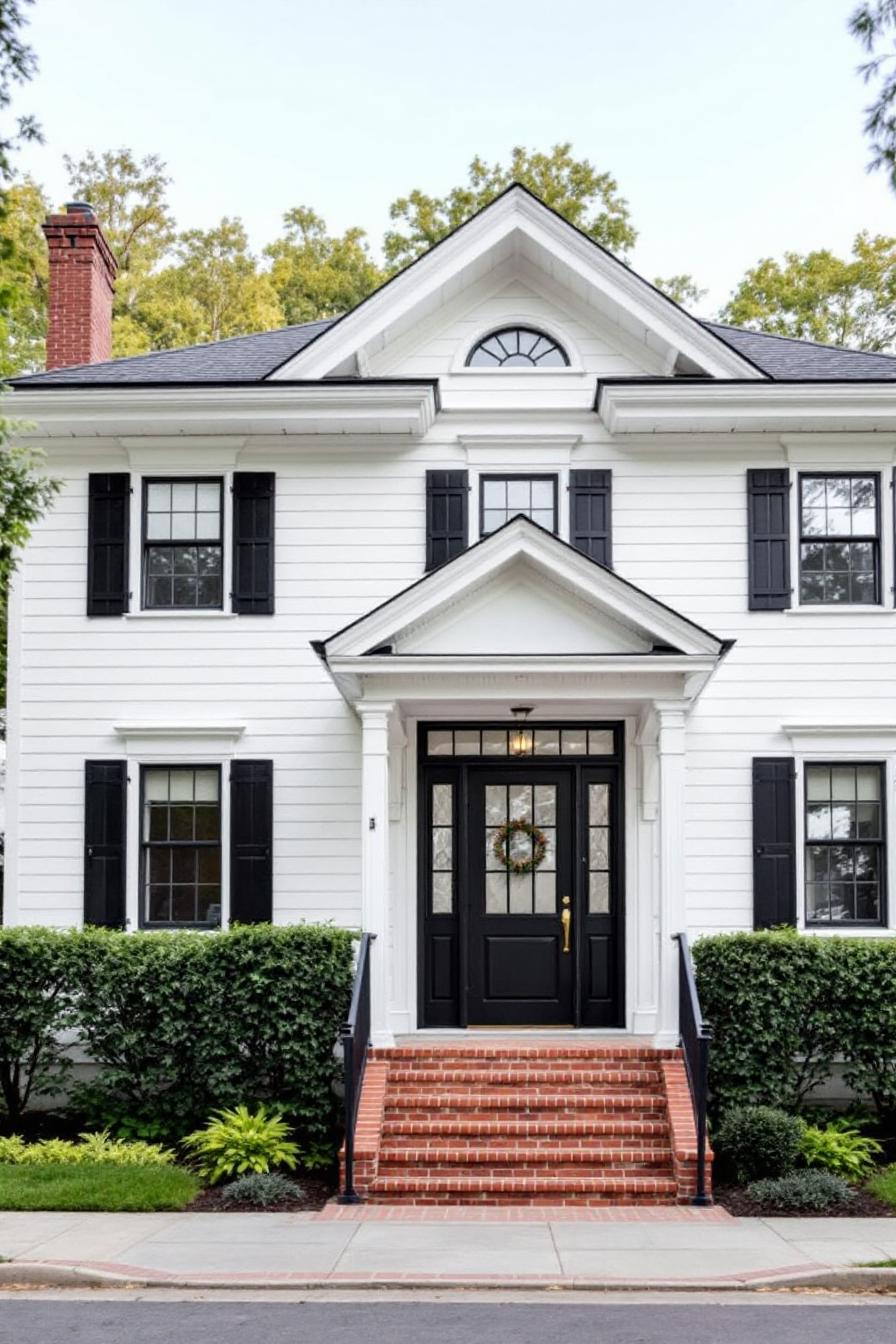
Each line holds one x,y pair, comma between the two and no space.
100,1188
884,1185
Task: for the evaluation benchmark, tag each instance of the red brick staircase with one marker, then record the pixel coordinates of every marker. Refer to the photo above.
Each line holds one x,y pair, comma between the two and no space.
506,1122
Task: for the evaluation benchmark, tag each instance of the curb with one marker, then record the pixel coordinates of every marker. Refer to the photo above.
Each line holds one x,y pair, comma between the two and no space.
34,1274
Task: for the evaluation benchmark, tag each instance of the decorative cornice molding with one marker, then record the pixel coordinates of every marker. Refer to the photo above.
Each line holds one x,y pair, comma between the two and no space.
713,406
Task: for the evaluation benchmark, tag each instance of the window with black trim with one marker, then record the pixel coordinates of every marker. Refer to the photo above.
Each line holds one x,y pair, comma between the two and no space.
517,347
845,846
180,846
839,539
183,551
503,497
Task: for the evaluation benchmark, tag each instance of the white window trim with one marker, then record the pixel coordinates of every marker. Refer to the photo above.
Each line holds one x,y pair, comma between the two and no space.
155,744
885,607
840,748
136,609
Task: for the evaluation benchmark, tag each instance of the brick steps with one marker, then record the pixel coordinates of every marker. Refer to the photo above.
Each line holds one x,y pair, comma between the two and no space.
504,1123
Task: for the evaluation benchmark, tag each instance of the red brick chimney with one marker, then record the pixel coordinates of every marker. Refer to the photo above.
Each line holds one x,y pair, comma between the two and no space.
82,282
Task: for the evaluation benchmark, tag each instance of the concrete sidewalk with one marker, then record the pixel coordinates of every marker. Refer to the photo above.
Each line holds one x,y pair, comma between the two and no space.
519,1247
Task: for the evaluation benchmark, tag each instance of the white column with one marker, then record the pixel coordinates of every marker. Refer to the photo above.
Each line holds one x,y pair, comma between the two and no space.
375,857
670,747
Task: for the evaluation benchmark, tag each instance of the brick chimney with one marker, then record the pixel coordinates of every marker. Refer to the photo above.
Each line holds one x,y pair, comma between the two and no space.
82,282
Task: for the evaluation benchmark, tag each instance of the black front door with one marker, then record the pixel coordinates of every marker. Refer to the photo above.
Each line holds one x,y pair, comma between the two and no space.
519,871
521,879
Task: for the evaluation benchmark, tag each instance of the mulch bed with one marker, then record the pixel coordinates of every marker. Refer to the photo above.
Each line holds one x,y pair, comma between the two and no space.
862,1205
312,1193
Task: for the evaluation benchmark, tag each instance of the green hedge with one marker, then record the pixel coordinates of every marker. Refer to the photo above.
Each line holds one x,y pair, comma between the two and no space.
784,1007
180,1023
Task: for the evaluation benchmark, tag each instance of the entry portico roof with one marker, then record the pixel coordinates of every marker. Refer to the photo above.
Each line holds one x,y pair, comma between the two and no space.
521,609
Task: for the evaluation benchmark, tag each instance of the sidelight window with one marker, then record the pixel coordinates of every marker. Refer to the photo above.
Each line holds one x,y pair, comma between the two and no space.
442,847
839,539
844,844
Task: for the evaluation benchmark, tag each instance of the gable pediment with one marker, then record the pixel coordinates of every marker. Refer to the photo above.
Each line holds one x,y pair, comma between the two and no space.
522,592
518,230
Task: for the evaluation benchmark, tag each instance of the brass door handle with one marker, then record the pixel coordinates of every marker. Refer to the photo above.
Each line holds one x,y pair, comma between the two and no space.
566,922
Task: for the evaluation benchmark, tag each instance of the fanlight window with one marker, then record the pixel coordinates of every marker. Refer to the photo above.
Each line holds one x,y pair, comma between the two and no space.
517,347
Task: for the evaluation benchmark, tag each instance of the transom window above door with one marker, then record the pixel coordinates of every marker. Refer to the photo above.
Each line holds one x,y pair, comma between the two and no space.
839,539
517,347
183,553
503,497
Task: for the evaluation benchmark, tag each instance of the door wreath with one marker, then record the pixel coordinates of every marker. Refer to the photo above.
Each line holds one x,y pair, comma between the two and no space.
504,840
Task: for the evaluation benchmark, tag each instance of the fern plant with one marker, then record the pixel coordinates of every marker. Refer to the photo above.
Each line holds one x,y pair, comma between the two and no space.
236,1141
840,1149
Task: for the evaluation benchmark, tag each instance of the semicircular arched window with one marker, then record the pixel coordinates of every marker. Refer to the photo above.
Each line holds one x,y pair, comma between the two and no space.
517,347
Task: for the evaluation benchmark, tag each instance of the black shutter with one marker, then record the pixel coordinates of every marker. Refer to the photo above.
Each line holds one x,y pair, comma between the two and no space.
105,811
768,524
108,509
253,543
774,841
446,516
590,514
251,841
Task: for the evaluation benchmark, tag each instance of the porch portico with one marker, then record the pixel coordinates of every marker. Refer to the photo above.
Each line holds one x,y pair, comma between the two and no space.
522,619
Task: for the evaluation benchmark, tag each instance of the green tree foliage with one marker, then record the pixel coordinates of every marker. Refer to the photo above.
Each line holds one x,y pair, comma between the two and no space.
23,315
315,275
573,187
874,24
213,290
682,289
821,297
18,64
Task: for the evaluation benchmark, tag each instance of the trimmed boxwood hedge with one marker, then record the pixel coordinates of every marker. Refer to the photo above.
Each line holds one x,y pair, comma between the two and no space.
785,1007
180,1023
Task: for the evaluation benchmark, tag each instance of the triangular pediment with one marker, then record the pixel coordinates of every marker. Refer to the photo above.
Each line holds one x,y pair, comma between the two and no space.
518,231
522,592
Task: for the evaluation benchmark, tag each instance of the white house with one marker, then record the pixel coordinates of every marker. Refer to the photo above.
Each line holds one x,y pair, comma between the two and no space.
516,616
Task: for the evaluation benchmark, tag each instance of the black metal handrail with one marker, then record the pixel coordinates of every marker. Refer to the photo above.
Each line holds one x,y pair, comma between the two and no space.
694,1036
355,1037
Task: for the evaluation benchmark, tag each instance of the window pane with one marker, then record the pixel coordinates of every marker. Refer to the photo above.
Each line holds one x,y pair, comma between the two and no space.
545,893
543,495
599,893
494,494
494,742
520,885
439,743
547,742
155,785
545,805
158,527
208,526
496,804
496,893
599,804
818,782
206,786
574,741
441,805
493,519
517,347
600,742
868,782
183,496
208,497
466,743
442,902
158,497
518,495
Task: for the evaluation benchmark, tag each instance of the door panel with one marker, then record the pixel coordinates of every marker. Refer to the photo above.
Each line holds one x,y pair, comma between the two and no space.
519,972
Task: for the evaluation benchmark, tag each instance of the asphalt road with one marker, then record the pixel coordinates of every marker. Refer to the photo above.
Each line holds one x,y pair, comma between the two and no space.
34,1322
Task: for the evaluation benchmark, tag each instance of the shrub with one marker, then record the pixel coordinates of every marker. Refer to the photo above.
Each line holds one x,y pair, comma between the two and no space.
840,1149
768,998
182,1024
758,1141
36,999
237,1141
264,1189
883,1185
94,1149
801,1190
783,1007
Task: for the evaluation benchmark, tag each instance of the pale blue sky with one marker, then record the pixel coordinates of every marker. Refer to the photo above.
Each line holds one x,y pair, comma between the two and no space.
732,126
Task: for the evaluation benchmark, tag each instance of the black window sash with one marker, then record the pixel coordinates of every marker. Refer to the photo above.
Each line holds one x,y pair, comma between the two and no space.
880,844
148,544
514,476
874,538
146,847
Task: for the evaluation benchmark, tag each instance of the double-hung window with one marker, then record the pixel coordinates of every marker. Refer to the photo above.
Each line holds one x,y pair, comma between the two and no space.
181,846
839,539
503,497
845,846
183,550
